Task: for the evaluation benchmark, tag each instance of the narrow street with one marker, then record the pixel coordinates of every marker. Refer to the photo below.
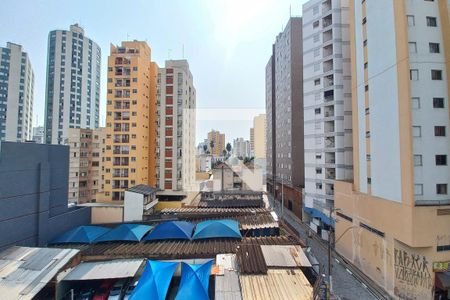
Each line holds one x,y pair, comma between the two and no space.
345,285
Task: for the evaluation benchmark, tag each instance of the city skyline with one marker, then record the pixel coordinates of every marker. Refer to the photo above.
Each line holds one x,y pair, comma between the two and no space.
239,38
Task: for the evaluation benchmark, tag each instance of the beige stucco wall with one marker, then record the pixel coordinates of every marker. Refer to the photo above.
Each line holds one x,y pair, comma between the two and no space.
401,261
106,214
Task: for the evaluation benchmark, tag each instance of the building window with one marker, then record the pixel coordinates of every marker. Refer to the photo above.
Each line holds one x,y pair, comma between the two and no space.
434,48
438,102
315,10
316,38
318,185
411,21
418,189
316,52
412,47
441,189
436,74
441,160
417,131
316,67
369,180
415,102
316,24
439,130
366,87
317,111
431,22
318,170
317,81
417,160
414,74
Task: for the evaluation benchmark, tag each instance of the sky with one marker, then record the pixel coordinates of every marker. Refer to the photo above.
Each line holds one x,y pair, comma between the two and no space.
226,42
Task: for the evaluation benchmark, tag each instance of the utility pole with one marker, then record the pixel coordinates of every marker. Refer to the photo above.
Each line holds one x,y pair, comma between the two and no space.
329,258
282,197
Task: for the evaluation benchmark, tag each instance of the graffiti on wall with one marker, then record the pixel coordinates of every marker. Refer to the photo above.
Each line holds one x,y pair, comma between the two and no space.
413,275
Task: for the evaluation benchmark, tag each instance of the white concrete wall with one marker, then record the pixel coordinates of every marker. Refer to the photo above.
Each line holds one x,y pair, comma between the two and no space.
133,206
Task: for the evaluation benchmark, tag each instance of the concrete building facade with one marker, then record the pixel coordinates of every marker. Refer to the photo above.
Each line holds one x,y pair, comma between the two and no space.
327,106
284,108
218,140
16,94
241,148
258,136
39,134
33,194
394,217
87,148
176,127
131,118
72,97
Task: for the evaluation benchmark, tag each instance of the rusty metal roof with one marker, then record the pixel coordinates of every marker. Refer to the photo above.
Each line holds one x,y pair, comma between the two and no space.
251,259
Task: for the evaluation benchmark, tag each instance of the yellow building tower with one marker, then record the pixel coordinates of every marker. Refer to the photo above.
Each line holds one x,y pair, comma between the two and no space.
130,157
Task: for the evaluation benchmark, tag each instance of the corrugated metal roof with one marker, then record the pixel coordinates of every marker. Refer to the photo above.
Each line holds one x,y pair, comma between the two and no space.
278,284
119,268
24,271
142,189
227,286
289,256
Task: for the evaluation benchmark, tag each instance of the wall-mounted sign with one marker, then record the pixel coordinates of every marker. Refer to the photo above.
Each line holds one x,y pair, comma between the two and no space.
442,266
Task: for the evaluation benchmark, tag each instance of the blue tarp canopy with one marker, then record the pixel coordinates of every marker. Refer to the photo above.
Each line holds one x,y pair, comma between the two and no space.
81,234
155,280
217,229
125,232
194,281
318,214
179,230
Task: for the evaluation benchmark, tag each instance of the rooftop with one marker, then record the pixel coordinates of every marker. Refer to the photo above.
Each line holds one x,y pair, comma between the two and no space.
25,271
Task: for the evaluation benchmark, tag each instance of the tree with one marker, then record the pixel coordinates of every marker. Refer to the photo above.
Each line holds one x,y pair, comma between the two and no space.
229,148
224,152
211,146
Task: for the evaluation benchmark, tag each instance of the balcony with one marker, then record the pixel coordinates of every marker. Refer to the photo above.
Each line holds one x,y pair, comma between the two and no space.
330,158
330,142
328,81
329,189
330,173
327,65
327,21
327,36
326,6
328,96
329,111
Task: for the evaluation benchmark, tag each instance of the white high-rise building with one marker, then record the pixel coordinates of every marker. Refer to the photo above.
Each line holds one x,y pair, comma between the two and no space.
73,83
176,150
241,148
327,104
16,94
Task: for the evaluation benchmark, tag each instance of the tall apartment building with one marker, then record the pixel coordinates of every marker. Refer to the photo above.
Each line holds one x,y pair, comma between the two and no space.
284,105
73,83
87,147
394,217
39,134
218,140
176,127
130,157
258,136
327,106
16,94
241,148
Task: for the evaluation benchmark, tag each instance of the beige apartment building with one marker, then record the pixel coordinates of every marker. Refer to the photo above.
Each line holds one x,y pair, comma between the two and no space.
219,142
393,220
131,119
87,148
258,136
176,127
